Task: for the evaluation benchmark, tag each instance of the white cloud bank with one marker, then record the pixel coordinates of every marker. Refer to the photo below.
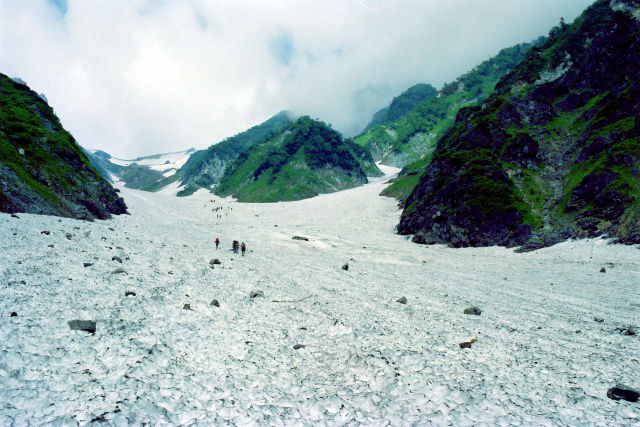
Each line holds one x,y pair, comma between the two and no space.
149,76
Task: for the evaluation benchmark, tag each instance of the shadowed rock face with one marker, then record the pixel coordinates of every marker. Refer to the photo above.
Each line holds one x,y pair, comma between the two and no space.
42,168
554,152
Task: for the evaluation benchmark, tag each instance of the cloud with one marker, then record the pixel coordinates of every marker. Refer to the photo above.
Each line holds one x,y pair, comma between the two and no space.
149,76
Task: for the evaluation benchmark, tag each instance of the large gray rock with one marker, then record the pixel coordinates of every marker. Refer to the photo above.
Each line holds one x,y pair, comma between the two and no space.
473,310
82,325
256,294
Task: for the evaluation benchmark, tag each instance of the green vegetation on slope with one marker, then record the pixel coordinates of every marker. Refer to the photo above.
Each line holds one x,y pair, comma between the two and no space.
305,159
560,142
205,168
42,168
411,133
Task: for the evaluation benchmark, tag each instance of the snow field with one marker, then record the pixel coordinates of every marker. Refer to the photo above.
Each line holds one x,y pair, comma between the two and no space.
366,358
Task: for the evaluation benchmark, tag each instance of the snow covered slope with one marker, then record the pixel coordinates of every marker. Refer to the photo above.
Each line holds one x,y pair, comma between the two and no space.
167,163
539,358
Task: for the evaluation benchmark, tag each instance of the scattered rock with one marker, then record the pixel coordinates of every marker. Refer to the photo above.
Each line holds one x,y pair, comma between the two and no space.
473,310
170,272
15,216
622,392
467,344
598,319
214,261
603,270
300,238
69,236
18,262
215,303
13,314
402,300
630,331
51,245
345,267
298,346
129,294
186,307
255,294
45,232
87,264
82,325
119,270
116,258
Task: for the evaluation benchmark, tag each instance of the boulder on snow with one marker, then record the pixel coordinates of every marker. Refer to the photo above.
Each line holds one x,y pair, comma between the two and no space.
215,303
467,344
345,267
473,310
298,346
622,392
119,270
69,236
186,307
629,330
129,294
45,232
214,261
402,300
306,239
116,258
598,319
603,270
13,314
82,325
255,294
87,264
15,216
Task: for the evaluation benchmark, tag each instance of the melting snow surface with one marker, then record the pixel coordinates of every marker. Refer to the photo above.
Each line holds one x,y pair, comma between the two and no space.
539,358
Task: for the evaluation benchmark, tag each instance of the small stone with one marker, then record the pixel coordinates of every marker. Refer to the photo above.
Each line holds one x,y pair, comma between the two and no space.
255,294
119,270
603,270
82,325
51,245
15,216
116,258
170,272
87,264
473,310
45,232
18,262
298,346
306,239
345,267
598,319
214,261
622,392
13,314
129,294
186,307
402,300
215,303
69,236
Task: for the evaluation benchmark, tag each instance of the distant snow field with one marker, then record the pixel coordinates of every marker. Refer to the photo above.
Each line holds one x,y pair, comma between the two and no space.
324,345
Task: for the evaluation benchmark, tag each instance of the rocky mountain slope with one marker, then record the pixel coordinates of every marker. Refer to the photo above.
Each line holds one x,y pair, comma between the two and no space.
408,129
305,159
148,173
552,154
205,168
42,168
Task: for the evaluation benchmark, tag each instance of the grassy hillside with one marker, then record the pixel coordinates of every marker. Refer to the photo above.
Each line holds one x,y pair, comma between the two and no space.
405,138
42,168
553,153
305,159
205,168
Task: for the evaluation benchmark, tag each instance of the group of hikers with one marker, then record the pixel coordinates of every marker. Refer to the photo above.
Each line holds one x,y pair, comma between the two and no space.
235,246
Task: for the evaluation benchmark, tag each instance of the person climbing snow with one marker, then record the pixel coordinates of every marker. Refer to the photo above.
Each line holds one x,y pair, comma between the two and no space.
235,246
243,247
217,243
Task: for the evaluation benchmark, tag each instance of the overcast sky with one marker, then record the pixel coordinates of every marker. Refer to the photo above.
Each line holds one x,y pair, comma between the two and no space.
138,77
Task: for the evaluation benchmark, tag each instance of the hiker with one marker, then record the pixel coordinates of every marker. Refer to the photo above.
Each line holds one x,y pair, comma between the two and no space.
217,243
243,247
235,246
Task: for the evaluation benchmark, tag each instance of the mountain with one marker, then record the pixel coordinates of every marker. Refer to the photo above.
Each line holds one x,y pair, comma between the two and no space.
42,168
408,129
206,167
148,173
303,160
552,154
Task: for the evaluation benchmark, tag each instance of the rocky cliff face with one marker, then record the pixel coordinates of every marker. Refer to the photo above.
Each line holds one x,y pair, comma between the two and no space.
553,153
42,168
